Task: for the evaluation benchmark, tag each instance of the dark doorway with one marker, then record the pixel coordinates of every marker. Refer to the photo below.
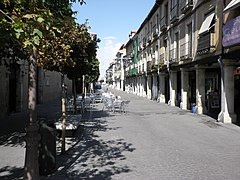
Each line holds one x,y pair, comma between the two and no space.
12,89
237,98
167,89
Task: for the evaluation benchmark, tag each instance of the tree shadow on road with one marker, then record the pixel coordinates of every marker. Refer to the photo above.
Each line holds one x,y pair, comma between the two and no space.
14,173
93,157
13,139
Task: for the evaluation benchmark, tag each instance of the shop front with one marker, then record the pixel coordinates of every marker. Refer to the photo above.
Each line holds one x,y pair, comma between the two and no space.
237,93
230,64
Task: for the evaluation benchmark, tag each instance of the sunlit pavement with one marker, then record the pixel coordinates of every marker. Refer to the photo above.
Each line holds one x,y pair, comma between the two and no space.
149,141
152,141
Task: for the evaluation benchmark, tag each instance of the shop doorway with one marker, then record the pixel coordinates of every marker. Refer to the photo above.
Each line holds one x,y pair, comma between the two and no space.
213,92
192,89
167,89
178,98
237,97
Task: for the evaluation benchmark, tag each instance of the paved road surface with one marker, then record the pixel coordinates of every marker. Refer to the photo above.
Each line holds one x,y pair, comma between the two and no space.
151,141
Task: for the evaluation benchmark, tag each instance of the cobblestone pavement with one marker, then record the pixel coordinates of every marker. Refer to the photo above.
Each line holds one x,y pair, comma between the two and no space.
151,141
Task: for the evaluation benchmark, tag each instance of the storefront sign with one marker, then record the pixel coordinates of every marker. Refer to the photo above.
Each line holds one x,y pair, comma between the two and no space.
231,32
237,71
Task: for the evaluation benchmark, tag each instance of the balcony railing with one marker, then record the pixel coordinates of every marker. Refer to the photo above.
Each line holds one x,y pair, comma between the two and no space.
162,58
186,5
174,13
185,51
155,31
173,56
206,43
144,42
149,66
140,46
163,23
149,37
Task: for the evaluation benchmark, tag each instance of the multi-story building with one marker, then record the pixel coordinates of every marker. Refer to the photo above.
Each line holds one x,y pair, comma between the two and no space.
130,63
182,60
230,61
115,72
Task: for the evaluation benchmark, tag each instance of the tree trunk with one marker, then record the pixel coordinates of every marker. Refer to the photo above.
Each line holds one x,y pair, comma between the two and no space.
63,115
31,167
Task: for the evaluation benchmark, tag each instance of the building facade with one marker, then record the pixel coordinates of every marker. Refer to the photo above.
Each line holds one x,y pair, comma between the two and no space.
186,54
14,87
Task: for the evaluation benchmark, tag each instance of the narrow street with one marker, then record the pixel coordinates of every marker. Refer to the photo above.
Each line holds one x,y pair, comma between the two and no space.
151,141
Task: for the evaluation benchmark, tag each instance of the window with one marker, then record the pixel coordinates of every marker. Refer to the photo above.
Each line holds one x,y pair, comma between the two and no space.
189,39
176,44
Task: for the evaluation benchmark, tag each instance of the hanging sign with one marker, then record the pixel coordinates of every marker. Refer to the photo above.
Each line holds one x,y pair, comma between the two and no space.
231,32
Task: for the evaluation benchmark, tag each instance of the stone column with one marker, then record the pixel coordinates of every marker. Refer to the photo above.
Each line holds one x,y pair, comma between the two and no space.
227,114
162,87
137,85
141,85
184,89
149,86
200,89
142,81
173,87
154,87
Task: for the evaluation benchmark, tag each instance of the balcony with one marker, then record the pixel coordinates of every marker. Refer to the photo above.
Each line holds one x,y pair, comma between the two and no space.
149,38
144,42
173,56
140,46
149,66
162,58
206,43
163,24
174,14
133,72
155,31
186,5
185,51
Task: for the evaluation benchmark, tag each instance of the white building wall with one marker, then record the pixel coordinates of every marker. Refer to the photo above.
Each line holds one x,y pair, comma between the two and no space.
52,86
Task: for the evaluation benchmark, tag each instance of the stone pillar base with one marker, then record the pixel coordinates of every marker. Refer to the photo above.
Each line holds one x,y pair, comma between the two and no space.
199,110
162,99
225,117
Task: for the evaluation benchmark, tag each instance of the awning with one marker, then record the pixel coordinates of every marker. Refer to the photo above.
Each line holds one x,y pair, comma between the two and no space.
232,5
206,24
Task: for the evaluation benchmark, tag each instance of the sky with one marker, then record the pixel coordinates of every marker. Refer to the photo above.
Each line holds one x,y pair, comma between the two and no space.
112,21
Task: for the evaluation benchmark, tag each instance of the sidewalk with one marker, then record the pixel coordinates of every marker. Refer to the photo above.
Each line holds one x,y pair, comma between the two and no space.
12,144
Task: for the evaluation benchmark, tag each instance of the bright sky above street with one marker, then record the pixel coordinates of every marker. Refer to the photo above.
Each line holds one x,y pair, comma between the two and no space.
112,21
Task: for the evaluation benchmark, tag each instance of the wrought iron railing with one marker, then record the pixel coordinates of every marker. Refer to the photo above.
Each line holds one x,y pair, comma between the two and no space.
185,51
173,56
206,43
174,13
186,5
162,58
163,23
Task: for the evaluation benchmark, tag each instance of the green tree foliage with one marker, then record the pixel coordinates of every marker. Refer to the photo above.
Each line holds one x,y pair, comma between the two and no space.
83,54
32,27
29,22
